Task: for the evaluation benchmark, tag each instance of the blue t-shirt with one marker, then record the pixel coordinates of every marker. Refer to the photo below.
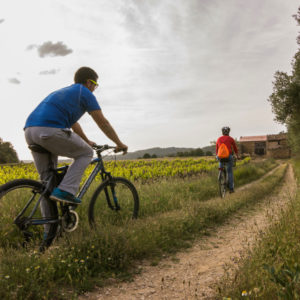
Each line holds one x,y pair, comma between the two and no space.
63,108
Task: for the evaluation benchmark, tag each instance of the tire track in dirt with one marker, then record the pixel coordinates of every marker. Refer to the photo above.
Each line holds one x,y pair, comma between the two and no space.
194,274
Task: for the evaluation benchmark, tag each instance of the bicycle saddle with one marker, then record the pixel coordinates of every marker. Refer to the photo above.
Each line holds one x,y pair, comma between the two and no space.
37,148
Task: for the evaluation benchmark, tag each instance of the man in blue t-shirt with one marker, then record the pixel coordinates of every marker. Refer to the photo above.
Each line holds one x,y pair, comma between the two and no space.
50,124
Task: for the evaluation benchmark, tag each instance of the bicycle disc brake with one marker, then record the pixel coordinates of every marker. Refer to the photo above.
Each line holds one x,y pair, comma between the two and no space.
70,221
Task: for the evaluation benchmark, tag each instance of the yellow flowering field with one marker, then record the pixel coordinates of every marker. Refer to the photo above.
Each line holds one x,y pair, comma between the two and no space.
131,169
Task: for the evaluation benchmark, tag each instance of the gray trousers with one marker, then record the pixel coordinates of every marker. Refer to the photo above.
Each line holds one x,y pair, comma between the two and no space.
60,142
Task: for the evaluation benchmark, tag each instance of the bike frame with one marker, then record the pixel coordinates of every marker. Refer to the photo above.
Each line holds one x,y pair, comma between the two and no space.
28,220
99,168
223,169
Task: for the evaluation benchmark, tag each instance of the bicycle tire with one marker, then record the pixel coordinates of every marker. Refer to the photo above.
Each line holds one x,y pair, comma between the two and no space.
127,198
222,183
13,197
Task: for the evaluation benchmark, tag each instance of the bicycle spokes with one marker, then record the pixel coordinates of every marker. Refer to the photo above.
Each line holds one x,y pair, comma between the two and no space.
20,215
121,198
112,197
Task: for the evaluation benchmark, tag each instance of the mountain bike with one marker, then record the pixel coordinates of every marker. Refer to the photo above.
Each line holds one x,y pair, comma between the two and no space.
223,181
22,223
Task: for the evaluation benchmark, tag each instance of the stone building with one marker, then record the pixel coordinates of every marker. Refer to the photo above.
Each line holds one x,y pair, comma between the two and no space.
272,145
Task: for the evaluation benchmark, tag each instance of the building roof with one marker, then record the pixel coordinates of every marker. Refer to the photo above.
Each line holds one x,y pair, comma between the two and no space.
257,138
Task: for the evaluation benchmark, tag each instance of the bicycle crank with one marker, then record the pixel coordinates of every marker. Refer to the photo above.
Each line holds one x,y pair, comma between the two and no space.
70,221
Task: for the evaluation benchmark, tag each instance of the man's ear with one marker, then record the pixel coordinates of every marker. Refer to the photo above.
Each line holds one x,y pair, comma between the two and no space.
88,84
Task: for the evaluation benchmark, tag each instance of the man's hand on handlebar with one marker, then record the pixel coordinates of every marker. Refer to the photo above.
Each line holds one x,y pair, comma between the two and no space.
121,147
92,144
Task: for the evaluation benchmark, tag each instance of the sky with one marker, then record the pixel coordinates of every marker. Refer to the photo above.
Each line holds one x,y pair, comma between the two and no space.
172,73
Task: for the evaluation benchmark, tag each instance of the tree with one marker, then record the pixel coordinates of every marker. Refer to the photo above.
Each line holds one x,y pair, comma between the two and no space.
198,152
146,155
7,153
195,152
285,99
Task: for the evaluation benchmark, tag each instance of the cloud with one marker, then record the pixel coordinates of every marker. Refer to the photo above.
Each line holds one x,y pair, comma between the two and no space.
51,49
1,21
14,80
49,72
30,47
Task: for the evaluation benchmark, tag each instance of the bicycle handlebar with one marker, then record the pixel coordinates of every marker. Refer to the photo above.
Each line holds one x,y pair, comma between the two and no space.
101,148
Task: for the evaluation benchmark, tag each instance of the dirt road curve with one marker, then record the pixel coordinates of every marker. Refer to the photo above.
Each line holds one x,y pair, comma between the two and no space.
195,272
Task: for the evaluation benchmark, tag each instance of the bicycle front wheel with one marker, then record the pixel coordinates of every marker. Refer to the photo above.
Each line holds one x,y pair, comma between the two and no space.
21,223
222,183
121,197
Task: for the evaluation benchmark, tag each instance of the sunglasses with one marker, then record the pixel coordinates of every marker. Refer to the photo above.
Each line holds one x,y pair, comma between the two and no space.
94,82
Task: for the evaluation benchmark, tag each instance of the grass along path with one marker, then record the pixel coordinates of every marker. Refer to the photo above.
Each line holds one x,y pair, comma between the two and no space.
194,274
271,269
87,258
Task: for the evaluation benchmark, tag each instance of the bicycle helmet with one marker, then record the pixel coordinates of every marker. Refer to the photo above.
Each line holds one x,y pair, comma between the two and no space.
225,130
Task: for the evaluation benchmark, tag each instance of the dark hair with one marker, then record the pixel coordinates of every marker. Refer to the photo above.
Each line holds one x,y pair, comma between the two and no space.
83,74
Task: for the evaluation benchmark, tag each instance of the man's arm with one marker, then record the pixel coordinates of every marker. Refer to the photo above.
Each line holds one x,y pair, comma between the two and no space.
77,129
107,129
235,148
217,146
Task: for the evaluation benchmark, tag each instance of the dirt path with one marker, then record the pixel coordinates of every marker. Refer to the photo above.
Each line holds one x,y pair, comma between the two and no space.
193,274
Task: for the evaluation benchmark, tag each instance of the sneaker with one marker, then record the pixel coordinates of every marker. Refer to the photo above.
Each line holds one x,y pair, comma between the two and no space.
63,196
231,191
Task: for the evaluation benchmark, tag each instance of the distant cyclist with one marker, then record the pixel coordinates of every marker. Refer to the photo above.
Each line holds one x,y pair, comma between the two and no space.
225,149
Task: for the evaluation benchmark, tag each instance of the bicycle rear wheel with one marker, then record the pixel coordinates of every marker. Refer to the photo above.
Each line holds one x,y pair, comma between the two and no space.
17,226
121,197
222,183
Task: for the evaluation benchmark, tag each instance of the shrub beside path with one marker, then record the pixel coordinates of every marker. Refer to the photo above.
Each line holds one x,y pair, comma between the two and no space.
195,273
